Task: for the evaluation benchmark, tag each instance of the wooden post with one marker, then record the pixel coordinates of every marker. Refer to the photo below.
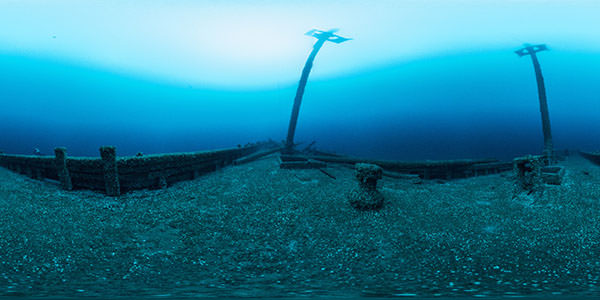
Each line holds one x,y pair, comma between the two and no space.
111,174
60,157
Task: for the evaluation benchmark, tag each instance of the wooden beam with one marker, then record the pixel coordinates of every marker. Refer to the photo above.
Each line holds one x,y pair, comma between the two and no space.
60,157
111,174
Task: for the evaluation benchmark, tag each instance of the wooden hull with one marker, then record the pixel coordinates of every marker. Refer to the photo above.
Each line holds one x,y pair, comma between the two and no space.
594,157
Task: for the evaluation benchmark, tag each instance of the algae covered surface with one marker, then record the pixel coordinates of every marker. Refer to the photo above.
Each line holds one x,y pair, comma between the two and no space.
258,230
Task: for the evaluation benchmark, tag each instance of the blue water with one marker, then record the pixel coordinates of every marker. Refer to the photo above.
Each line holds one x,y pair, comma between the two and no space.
86,75
461,105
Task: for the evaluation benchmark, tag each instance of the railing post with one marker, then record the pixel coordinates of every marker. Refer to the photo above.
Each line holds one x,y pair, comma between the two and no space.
111,174
60,157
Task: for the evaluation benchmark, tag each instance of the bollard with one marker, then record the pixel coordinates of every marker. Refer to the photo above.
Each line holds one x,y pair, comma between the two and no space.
60,158
111,174
366,196
527,170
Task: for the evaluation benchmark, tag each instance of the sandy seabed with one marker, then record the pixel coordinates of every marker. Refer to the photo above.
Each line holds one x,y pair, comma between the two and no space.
258,230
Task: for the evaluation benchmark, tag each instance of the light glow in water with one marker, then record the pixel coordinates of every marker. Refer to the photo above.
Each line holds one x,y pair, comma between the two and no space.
261,43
